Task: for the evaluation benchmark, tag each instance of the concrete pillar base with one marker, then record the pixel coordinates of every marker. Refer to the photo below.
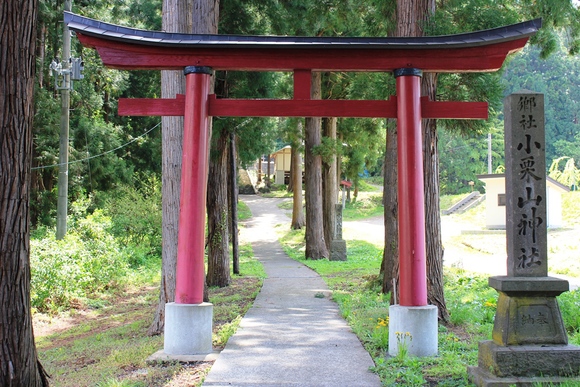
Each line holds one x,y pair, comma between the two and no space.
188,329
413,330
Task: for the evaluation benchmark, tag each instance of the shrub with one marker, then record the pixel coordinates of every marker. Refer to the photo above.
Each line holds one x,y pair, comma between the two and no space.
136,219
86,261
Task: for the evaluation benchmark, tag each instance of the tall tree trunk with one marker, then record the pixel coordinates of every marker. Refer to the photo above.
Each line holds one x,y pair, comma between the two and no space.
315,243
329,185
19,365
297,210
390,265
233,202
412,17
195,16
268,170
218,258
434,245
290,187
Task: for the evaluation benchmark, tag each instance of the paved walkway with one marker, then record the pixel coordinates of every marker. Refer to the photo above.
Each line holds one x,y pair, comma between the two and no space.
292,336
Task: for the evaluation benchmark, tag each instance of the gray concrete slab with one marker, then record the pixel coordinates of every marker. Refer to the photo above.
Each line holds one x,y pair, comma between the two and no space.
293,335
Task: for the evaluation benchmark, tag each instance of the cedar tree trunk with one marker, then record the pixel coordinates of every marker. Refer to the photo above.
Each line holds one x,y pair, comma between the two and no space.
434,245
196,16
412,17
390,265
19,365
330,185
315,243
297,210
218,258
233,202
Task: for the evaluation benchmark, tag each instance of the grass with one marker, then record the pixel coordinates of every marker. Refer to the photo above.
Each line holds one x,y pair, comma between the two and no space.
109,346
471,302
244,212
571,202
106,344
367,205
276,191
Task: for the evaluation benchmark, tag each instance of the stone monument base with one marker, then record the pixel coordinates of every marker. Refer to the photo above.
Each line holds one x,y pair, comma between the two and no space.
338,250
529,345
188,329
529,360
483,378
527,311
413,329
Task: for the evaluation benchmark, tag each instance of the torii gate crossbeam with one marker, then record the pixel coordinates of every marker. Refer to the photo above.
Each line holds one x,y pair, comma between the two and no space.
484,51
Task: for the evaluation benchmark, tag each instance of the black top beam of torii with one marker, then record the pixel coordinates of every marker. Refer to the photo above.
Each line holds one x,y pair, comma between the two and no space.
128,48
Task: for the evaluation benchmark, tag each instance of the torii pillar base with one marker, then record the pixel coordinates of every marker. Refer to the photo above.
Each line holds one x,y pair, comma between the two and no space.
413,330
188,329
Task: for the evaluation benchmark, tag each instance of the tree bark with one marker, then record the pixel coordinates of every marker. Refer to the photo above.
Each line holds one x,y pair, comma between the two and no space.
297,209
218,258
330,186
412,17
19,365
434,244
268,171
315,242
178,16
233,203
390,264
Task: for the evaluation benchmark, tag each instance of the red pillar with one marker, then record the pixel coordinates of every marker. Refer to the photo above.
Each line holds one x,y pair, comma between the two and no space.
412,253
190,271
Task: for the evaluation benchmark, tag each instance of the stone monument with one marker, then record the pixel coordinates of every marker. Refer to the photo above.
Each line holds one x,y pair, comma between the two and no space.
530,344
338,245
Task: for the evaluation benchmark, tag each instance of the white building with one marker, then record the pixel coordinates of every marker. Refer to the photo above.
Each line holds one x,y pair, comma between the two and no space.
282,161
495,201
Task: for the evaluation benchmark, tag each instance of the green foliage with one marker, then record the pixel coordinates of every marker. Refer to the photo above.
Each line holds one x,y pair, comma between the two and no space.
569,175
469,299
557,77
136,218
95,128
102,249
569,302
462,157
87,261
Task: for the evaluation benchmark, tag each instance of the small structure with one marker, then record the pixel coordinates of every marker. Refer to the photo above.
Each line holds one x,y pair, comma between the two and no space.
282,161
495,201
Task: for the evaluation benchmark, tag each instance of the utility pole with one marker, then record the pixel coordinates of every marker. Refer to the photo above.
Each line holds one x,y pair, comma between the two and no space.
62,204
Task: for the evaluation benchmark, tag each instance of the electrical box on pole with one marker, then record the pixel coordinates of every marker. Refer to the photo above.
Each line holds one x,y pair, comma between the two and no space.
77,67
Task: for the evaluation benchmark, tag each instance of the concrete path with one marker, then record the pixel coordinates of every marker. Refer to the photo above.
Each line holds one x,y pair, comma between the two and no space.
293,335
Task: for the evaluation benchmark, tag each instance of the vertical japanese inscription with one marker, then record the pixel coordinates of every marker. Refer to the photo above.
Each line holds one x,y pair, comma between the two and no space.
525,185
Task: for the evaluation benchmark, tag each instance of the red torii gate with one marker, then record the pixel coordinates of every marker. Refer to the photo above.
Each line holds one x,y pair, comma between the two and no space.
131,49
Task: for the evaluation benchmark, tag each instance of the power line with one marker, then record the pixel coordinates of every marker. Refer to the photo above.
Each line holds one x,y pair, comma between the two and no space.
101,154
